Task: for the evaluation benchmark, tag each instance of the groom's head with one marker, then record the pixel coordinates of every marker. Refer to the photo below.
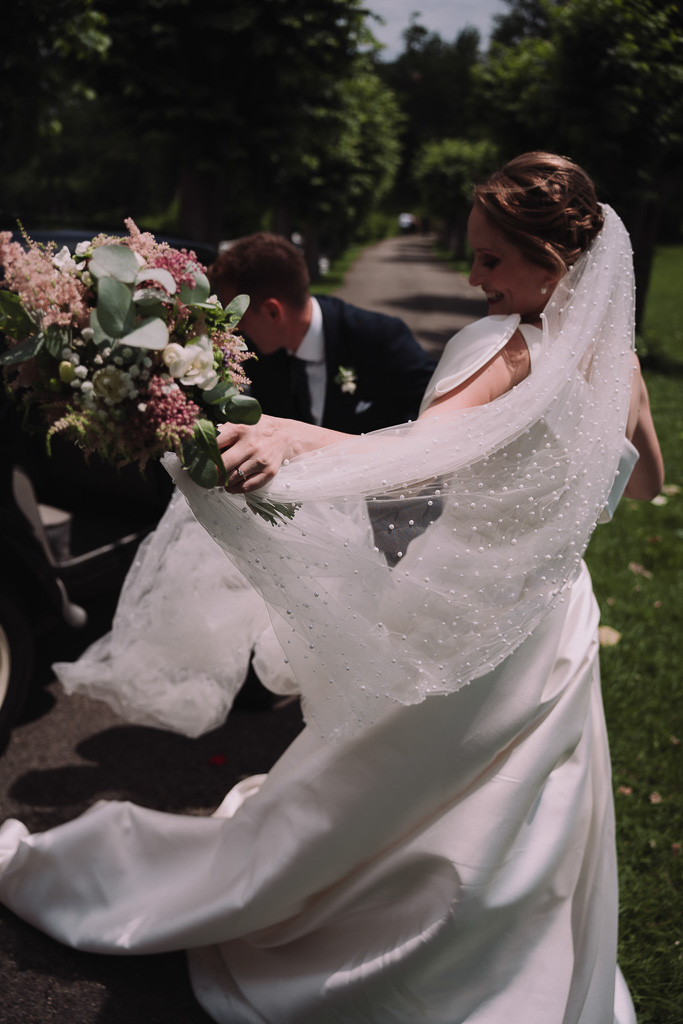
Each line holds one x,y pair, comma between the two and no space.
273,273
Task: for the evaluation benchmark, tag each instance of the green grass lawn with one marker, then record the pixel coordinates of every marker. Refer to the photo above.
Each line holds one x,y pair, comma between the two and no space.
636,564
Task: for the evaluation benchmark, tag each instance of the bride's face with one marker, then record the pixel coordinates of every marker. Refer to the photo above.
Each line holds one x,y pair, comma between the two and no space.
510,281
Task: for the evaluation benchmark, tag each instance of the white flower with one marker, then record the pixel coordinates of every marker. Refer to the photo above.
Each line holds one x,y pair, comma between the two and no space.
193,363
64,260
82,248
110,384
346,378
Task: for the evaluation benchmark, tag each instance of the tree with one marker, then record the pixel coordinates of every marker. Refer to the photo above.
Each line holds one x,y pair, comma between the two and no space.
51,50
604,85
445,172
433,82
347,164
210,116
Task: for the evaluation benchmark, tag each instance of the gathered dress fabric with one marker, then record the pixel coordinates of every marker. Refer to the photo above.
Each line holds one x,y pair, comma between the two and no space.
448,856
453,863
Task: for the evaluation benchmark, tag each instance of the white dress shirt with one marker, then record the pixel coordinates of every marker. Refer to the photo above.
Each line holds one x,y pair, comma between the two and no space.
312,352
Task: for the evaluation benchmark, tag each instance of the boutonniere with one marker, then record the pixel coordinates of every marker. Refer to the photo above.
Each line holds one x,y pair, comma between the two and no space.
346,379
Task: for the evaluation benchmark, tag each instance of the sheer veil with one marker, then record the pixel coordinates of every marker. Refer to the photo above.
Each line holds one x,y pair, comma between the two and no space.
420,556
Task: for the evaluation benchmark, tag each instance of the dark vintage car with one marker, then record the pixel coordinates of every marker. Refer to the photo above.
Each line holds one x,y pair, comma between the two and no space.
69,530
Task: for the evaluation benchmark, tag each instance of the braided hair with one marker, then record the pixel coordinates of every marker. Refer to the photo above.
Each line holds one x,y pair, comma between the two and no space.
546,205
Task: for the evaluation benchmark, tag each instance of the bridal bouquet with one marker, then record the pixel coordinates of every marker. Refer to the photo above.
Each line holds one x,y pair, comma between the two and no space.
122,348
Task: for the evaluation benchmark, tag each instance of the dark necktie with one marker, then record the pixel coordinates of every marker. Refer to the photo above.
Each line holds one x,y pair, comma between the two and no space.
298,381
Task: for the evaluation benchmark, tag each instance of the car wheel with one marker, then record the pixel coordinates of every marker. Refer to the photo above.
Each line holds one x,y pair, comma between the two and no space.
16,661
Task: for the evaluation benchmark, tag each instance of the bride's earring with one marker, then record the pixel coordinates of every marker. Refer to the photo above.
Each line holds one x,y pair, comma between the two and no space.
544,289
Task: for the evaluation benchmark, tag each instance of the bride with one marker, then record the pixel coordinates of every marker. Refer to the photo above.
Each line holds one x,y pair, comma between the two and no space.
438,843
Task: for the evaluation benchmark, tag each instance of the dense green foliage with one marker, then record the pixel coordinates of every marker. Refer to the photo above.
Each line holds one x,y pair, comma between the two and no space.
444,171
210,120
636,563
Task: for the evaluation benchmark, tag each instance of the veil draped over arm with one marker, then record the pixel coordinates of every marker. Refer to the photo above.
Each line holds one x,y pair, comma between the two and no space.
420,556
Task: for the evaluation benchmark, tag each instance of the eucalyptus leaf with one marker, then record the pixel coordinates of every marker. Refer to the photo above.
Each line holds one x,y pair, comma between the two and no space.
25,350
219,393
100,337
202,457
14,319
147,300
56,338
115,310
236,309
116,261
152,333
243,409
163,277
198,294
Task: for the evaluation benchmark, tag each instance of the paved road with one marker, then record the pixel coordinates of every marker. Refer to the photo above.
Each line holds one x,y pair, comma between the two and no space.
401,277
69,752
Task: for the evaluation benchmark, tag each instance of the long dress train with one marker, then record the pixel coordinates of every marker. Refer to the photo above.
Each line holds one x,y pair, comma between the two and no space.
489,812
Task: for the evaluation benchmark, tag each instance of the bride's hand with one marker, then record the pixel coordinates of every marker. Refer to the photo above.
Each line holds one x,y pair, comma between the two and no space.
253,455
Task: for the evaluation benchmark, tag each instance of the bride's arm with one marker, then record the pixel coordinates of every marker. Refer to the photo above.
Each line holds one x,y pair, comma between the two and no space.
647,477
260,450
503,371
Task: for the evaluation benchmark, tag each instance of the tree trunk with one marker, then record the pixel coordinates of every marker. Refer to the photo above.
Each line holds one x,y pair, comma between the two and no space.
642,220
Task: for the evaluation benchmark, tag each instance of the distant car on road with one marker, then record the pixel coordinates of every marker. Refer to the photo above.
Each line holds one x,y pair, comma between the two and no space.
69,531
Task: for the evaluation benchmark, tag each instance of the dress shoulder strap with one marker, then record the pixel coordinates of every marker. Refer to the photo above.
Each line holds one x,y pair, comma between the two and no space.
533,336
467,351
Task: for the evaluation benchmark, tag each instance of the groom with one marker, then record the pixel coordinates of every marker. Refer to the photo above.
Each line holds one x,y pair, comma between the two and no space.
319,359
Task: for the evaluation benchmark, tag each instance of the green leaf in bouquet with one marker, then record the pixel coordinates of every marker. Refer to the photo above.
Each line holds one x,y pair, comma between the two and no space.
274,512
242,409
14,320
202,457
24,350
100,337
57,338
117,261
218,394
198,294
236,309
115,310
163,277
151,333
147,299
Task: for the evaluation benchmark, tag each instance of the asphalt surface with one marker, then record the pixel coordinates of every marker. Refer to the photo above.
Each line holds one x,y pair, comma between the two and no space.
68,752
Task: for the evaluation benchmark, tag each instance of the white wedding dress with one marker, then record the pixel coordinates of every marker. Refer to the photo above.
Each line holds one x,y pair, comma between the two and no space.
453,862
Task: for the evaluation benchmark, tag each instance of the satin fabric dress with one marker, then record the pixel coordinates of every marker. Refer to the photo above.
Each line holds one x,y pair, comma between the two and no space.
454,862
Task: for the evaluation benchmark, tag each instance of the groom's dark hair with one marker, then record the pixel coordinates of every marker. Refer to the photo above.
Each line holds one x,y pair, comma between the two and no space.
262,266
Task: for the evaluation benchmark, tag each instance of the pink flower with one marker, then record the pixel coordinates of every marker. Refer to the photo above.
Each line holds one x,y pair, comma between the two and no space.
51,295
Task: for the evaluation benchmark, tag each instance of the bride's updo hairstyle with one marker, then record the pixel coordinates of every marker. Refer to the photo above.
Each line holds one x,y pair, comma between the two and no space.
546,206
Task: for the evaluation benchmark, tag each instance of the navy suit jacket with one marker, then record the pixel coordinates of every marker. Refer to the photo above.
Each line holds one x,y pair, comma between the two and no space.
391,371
